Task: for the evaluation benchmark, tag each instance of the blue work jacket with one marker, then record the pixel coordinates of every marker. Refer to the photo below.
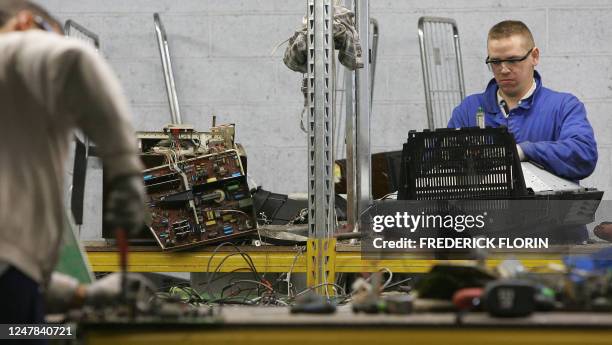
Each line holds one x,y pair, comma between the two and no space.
551,127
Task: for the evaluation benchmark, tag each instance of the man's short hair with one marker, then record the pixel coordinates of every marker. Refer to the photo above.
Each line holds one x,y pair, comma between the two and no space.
10,8
509,28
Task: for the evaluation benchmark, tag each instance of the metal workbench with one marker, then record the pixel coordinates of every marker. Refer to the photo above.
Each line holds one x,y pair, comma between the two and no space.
248,325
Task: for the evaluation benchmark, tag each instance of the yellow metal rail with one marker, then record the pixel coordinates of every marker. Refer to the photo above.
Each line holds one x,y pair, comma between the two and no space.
275,261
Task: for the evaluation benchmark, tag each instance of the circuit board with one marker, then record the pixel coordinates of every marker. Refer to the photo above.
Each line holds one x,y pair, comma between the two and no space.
199,201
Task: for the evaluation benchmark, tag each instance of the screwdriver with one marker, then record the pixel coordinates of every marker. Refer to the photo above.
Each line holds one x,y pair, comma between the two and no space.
122,246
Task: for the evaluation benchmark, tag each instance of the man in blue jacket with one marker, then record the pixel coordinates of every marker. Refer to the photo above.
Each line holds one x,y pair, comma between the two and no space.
550,128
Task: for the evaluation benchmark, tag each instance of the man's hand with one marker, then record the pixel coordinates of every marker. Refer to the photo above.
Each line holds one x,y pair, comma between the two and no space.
125,204
108,290
63,293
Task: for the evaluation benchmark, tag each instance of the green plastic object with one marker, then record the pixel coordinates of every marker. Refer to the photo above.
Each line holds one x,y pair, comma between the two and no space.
72,258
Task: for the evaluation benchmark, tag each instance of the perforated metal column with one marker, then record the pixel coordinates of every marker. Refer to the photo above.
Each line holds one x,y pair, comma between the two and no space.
320,145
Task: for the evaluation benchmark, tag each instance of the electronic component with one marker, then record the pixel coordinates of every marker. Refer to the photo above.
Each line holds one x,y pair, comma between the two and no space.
183,142
192,143
199,201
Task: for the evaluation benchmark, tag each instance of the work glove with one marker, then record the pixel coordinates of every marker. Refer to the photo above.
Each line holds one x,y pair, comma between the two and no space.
125,204
108,290
60,293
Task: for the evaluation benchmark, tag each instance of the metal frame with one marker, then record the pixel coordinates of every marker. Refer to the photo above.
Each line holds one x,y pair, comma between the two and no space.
354,206
82,149
164,53
71,25
321,106
448,90
320,100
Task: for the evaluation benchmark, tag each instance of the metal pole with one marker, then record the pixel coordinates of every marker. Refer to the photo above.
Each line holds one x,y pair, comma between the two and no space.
425,68
459,61
320,99
164,52
374,24
362,101
351,161
353,212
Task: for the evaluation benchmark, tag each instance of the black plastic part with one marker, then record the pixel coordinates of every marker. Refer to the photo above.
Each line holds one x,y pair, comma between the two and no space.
279,209
394,163
181,197
466,163
79,175
313,304
509,298
79,172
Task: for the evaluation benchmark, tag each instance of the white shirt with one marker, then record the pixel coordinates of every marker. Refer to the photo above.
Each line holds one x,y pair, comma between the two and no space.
501,102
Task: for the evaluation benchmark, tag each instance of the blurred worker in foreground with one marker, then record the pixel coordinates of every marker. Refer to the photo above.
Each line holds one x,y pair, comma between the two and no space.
551,128
50,85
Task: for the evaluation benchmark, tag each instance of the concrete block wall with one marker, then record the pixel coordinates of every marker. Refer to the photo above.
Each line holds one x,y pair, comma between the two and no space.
223,64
